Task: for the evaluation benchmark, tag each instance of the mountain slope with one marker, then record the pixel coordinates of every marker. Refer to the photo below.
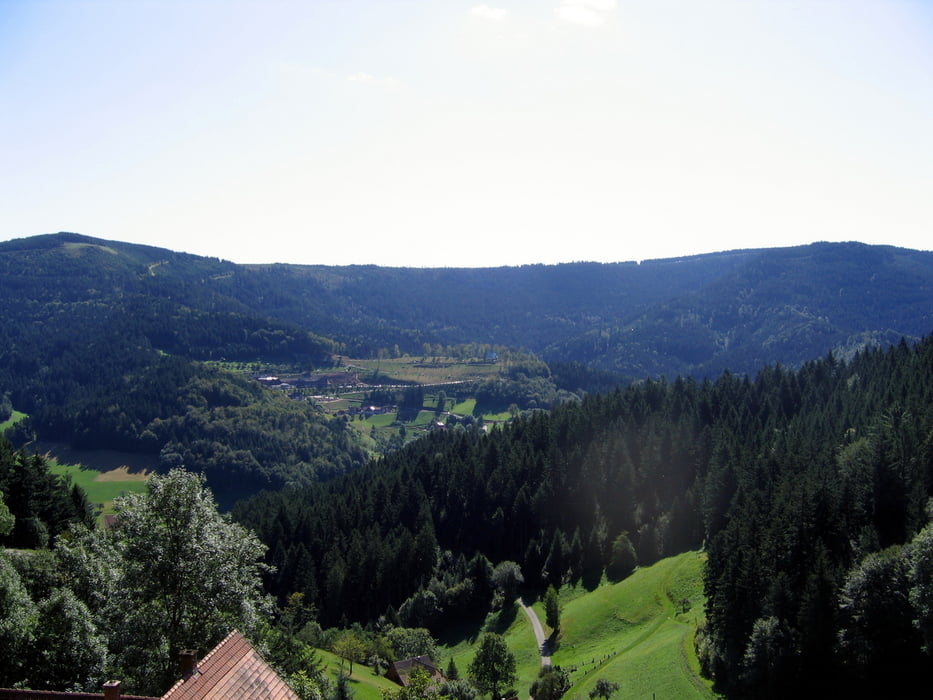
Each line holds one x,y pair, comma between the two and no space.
696,316
784,305
99,343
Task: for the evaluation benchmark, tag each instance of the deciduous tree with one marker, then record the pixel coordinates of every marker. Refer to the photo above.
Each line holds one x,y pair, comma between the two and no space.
173,574
551,684
604,689
920,558
7,520
493,667
18,617
507,577
350,648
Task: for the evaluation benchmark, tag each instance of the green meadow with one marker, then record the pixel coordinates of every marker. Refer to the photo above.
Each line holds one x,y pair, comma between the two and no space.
103,474
15,417
364,684
461,644
637,633
113,474
102,487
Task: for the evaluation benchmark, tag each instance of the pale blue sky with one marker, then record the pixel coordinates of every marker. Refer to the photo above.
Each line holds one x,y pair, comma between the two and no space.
459,133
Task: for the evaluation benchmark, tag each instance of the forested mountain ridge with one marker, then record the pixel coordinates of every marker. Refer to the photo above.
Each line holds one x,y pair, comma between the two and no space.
806,480
784,305
100,346
695,315
97,338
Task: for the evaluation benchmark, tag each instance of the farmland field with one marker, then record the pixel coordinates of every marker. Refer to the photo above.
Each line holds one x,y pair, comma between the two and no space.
413,370
103,474
15,417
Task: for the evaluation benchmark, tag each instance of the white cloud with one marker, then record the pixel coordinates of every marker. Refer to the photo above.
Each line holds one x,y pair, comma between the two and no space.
579,15
367,79
589,13
598,5
486,12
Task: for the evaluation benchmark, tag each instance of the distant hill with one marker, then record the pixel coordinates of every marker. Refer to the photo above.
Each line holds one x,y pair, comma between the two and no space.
100,343
98,337
696,315
800,484
784,305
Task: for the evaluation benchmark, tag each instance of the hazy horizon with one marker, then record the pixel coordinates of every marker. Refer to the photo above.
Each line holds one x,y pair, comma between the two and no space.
466,134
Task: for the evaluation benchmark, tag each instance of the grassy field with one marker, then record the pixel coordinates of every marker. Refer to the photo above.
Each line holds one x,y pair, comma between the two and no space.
460,645
637,633
364,684
103,474
413,369
15,417
103,487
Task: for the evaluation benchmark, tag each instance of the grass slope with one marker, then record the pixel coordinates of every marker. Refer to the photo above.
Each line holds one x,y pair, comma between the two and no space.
109,482
15,417
461,645
637,633
364,684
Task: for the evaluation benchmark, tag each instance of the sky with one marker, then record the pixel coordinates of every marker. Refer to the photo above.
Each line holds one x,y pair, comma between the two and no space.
449,133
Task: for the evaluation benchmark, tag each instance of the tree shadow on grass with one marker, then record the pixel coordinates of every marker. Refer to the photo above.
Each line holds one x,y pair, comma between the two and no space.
501,622
591,579
552,643
531,597
473,627
469,628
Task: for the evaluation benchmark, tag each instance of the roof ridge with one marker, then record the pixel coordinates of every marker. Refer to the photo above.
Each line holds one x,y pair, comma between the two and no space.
219,645
181,681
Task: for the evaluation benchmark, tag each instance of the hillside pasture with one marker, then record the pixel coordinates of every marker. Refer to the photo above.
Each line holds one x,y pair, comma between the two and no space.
364,683
461,645
14,418
103,474
637,632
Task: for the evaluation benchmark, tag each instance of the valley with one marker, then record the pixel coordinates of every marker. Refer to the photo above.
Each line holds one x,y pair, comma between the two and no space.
709,467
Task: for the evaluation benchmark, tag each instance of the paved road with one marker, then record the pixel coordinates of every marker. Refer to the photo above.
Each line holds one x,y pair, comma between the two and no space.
539,634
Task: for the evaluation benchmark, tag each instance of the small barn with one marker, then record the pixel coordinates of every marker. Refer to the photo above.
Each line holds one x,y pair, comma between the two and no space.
401,670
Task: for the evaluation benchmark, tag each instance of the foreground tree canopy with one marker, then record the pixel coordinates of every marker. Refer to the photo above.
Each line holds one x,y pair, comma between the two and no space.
171,574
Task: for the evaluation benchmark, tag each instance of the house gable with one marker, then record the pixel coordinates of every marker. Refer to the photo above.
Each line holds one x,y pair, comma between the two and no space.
232,670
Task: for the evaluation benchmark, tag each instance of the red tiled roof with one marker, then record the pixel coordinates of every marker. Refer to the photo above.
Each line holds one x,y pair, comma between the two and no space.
17,694
233,670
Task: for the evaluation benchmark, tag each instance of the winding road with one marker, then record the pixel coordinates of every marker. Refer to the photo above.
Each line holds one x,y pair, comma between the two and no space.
543,645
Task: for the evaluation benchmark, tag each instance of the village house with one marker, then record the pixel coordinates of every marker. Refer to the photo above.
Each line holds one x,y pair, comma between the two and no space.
400,671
